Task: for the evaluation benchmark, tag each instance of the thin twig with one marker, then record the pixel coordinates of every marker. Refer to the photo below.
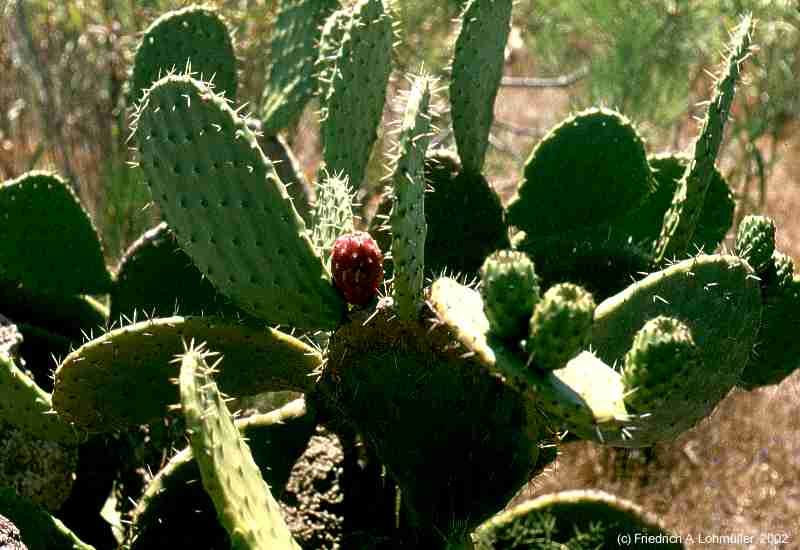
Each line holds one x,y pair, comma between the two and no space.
555,82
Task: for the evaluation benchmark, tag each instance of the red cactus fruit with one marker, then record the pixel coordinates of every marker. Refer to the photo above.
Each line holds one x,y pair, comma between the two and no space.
357,265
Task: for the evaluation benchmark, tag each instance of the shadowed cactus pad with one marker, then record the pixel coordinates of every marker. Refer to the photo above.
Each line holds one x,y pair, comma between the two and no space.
510,290
661,358
561,325
50,245
755,241
605,175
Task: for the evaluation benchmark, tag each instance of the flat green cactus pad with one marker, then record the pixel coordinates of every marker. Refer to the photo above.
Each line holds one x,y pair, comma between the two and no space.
590,169
123,377
244,503
477,69
156,277
578,520
228,208
718,299
196,35
49,242
353,105
38,529
162,517
291,81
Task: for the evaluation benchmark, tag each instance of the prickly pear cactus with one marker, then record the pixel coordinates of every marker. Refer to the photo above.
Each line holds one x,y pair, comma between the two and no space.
561,326
755,241
510,290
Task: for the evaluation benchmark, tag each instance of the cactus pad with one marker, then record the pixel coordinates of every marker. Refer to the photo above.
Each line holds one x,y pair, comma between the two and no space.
39,529
244,503
718,299
605,175
196,35
122,378
575,519
477,69
333,213
229,210
661,358
510,290
50,245
755,241
158,278
291,82
561,326
353,106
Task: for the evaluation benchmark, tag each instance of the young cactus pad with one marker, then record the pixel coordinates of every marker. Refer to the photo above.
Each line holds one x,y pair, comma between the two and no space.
718,299
122,378
407,217
195,35
755,242
230,212
510,290
680,221
243,500
50,245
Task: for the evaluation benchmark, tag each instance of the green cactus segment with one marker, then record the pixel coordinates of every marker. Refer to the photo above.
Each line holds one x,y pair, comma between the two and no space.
718,299
333,213
510,290
680,221
479,228
196,35
407,217
578,520
605,175
50,245
293,50
353,106
157,278
644,224
25,405
755,242
162,517
561,326
38,529
122,378
229,210
661,358
477,69
244,503
778,348
477,419
585,396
